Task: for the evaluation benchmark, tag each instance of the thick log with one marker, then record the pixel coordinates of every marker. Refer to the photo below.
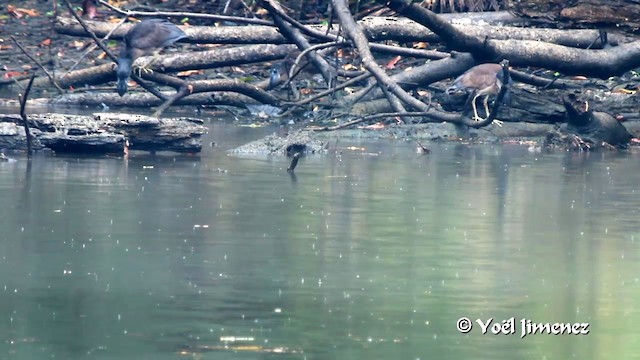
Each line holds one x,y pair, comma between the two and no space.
403,29
103,133
376,28
177,62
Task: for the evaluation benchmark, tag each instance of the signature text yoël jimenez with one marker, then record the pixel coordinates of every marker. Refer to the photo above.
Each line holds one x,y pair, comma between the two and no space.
527,327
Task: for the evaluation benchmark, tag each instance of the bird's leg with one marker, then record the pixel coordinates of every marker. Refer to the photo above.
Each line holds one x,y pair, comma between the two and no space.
486,105
486,111
476,117
146,66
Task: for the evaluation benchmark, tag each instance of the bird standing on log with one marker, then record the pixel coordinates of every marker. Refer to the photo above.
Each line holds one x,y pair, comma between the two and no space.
145,38
481,80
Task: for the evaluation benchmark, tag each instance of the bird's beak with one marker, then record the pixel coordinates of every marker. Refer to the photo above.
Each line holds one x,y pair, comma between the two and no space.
122,87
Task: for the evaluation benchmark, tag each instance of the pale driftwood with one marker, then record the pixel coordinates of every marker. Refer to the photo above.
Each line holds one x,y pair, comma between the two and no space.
103,133
403,29
177,62
376,28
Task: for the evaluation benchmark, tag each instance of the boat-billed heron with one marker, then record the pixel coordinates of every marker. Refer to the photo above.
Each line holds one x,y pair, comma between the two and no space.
145,38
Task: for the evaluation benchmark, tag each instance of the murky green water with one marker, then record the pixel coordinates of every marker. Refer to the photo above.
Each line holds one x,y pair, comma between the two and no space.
373,255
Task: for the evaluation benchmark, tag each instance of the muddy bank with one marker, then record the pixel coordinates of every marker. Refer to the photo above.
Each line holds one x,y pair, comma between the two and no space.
313,142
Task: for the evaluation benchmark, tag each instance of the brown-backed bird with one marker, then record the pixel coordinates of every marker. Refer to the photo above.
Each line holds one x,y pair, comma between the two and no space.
145,38
480,80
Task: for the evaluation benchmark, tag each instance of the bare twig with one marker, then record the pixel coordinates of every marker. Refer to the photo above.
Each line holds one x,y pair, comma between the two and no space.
296,36
51,78
293,71
333,90
355,33
23,115
94,46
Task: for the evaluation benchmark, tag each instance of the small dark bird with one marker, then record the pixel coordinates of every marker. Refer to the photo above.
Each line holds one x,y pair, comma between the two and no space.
145,38
481,80
279,75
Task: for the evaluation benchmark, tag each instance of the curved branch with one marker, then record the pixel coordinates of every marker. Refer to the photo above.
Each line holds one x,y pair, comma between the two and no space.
296,36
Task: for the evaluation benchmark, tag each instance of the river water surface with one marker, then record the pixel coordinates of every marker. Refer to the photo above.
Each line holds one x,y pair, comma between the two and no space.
373,252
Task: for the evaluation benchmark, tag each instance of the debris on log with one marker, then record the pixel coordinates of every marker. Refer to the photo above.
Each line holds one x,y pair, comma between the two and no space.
103,133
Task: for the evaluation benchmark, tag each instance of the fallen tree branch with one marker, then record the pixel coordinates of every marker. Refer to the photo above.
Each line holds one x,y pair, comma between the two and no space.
384,81
571,61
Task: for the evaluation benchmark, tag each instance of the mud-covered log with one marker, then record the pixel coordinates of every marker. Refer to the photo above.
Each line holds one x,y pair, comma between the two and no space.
103,133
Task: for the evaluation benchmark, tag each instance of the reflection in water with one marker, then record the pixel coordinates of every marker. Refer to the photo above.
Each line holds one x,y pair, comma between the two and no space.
372,254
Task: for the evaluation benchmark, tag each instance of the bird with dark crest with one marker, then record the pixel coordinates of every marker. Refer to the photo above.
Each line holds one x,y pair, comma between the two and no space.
145,38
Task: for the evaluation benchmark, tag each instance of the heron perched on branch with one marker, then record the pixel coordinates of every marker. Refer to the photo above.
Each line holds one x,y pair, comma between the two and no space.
145,38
